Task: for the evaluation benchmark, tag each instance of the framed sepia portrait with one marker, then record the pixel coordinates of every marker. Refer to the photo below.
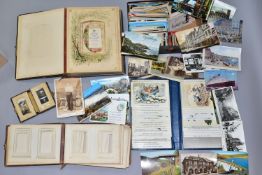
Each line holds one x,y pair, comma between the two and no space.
23,106
43,97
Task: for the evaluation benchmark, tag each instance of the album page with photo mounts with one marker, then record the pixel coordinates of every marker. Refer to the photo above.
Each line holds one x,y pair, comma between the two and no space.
201,127
92,144
151,118
33,144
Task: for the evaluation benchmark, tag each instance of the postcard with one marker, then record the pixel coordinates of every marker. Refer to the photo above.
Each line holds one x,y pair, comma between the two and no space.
193,62
229,31
230,162
181,21
149,9
141,45
233,136
226,104
170,66
201,163
148,26
216,79
115,85
222,57
151,118
199,8
199,37
115,112
162,162
93,104
221,10
201,127
69,98
138,67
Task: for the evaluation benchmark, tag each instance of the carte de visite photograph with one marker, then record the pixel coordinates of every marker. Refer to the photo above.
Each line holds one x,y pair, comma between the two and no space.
193,62
23,106
69,97
43,97
201,163
226,105
222,57
138,67
229,31
198,37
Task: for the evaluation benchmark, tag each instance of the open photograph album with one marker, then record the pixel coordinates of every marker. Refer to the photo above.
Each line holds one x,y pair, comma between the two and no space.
105,145
79,42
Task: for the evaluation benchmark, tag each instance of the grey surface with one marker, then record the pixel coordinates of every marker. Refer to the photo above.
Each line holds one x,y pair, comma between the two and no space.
249,95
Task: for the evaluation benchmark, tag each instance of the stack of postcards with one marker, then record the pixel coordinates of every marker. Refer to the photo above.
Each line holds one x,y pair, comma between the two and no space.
197,44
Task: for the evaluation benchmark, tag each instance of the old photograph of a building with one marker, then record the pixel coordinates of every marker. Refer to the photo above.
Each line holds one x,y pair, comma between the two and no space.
198,163
221,10
197,37
229,31
138,67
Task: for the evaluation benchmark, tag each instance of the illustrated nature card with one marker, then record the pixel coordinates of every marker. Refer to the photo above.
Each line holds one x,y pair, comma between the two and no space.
141,45
160,162
94,40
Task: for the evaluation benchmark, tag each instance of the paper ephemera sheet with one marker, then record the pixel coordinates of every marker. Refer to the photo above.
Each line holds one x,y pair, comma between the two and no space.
151,119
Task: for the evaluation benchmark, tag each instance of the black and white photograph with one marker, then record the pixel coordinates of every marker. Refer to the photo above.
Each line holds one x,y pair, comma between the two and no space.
234,136
193,62
229,31
222,57
138,67
24,106
42,96
226,105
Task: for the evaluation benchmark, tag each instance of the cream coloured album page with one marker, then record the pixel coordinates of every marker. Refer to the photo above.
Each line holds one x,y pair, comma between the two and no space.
33,144
40,44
